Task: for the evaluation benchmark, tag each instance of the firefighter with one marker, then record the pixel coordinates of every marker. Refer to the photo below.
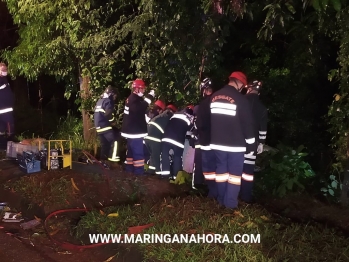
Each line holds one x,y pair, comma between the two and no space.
158,108
6,104
203,124
134,126
198,177
260,117
104,119
174,139
232,136
156,128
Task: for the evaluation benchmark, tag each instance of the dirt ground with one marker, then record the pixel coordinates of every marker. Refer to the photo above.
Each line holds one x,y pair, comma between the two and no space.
97,188
304,208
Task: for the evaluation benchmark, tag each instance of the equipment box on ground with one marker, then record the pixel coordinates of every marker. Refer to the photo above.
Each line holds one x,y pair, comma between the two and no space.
17,148
27,162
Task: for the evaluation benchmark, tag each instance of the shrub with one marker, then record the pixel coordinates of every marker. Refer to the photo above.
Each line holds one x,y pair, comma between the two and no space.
283,170
71,128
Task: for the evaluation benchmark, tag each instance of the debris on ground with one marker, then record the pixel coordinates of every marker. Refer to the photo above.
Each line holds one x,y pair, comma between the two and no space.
30,224
12,217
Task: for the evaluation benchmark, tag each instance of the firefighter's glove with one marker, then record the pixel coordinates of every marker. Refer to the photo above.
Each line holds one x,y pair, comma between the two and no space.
260,148
152,93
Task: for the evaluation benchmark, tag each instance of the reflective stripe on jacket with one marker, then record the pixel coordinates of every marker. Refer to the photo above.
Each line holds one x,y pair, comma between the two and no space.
176,129
231,121
134,124
103,114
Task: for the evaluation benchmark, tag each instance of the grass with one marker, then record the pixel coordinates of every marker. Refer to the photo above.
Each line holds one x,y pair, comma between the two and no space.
281,240
132,190
46,193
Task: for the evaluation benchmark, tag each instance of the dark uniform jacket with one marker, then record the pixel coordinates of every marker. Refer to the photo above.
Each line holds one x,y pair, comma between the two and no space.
134,124
6,95
156,126
260,116
150,114
177,128
104,115
232,124
203,123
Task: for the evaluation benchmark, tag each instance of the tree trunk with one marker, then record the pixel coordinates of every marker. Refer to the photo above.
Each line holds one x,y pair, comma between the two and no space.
89,132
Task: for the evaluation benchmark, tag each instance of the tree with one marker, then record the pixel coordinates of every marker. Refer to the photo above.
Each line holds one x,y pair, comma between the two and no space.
174,44
171,44
66,39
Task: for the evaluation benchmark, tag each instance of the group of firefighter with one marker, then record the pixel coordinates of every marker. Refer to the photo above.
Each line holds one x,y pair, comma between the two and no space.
227,129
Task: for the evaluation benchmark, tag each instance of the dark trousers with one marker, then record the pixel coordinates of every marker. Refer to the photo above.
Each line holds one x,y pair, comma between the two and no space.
135,156
247,178
165,159
154,149
198,176
228,177
146,153
109,146
209,171
7,123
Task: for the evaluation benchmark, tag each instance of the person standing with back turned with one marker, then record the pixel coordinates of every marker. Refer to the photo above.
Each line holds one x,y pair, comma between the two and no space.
260,117
203,124
232,136
134,126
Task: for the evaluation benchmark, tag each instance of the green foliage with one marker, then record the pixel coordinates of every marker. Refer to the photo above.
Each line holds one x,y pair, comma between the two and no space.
311,23
175,44
171,44
62,38
68,40
333,187
287,89
320,5
281,15
71,128
338,111
278,13
286,171
290,62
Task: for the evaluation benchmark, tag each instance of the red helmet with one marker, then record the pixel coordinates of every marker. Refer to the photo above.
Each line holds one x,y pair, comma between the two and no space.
138,83
172,107
190,107
160,104
239,76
